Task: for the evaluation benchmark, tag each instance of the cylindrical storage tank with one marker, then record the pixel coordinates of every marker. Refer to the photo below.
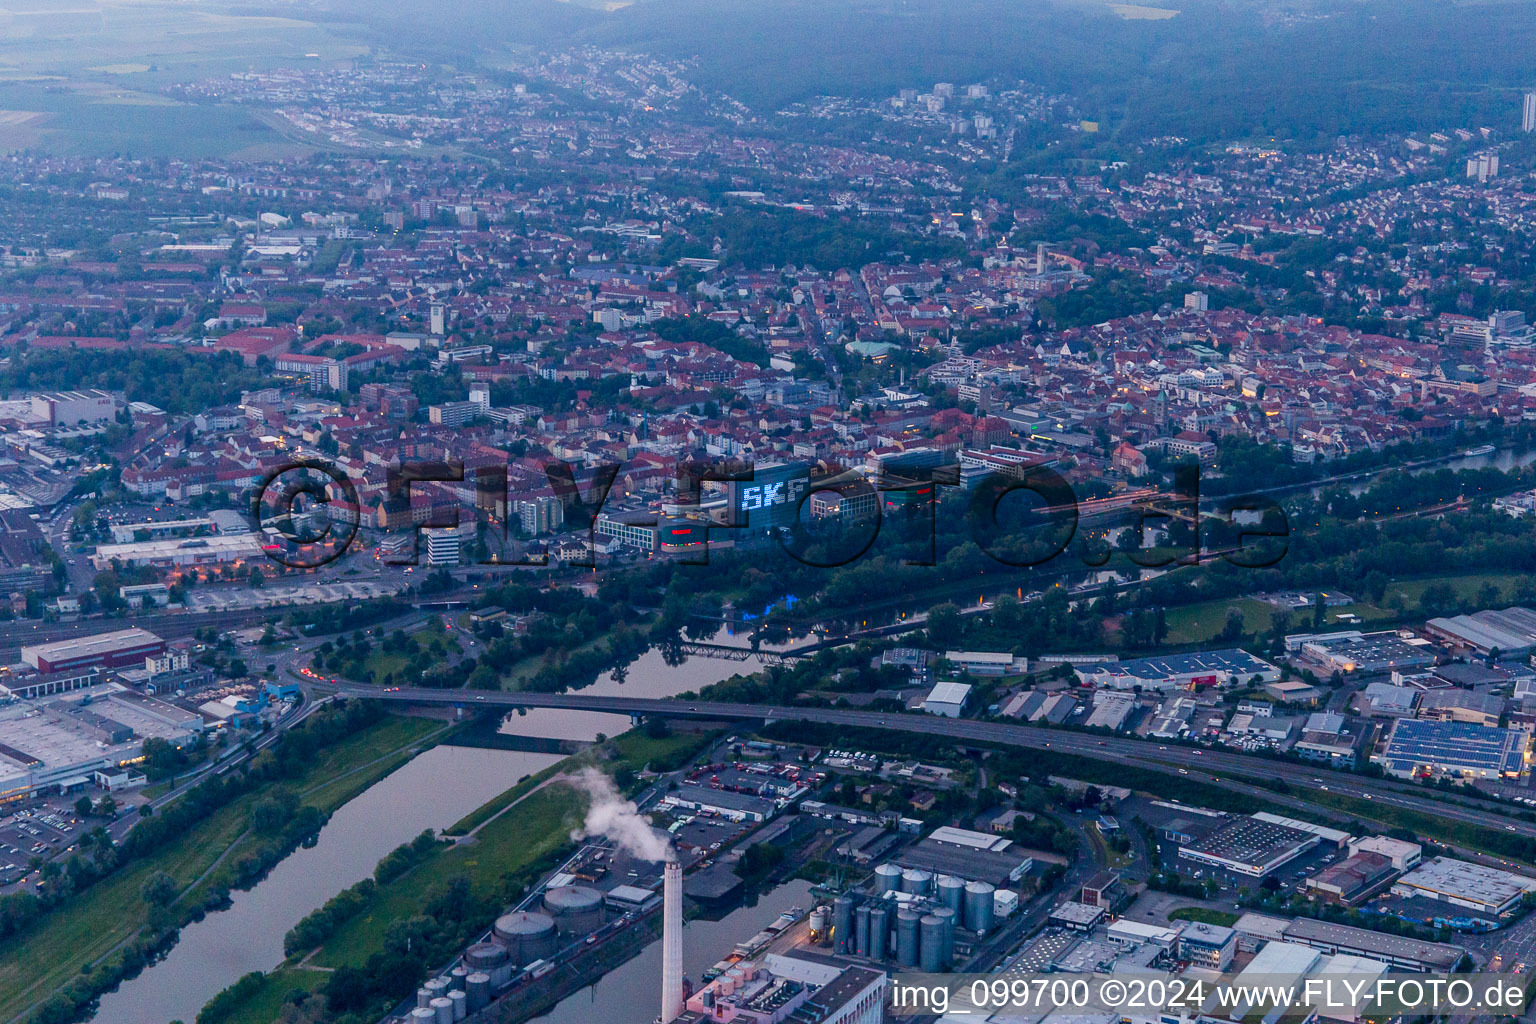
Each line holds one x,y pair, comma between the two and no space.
423,1015
460,1000
423,996
879,929
819,920
575,908
478,991
979,906
527,936
887,878
906,938
916,881
861,931
443,1006
930,953
950,920
842,924
436,988
486,956
501,977
952,892
456,977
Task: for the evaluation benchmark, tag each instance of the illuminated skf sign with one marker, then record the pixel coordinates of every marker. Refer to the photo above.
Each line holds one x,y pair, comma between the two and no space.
760,496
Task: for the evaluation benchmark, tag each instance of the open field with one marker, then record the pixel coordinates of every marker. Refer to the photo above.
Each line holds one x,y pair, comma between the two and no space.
113,911
1203,915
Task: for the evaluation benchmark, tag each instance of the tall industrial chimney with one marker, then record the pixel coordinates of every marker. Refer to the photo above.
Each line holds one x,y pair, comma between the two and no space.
671,943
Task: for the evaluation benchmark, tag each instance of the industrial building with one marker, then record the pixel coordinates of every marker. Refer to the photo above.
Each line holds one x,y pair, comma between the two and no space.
1418,747
1208,945
179,552
1451,705
973,856
722,802
1394,950
1249,846
61,748
1353,879
1401,853
799,987
1511,632
1369,654
986,663
947,699
104,650
1464,884
1179,671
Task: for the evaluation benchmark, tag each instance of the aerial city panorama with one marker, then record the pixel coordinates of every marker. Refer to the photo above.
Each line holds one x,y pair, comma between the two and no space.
767,511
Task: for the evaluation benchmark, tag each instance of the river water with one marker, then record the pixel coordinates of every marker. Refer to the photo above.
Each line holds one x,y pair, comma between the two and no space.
630,995
434,790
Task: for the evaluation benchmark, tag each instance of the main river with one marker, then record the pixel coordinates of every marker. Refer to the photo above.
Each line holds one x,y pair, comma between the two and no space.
434,790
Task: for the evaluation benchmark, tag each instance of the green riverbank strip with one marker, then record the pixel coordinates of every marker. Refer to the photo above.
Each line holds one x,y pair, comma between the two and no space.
112,911
521,833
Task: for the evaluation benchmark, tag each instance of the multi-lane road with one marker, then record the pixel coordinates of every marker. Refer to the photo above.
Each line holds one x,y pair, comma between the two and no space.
1230,770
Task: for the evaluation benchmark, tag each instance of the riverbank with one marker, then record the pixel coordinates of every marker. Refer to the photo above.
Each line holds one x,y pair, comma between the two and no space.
495,853
71,950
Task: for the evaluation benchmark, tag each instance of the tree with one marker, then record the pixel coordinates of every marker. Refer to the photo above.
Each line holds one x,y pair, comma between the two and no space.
83,807
944,623
159,889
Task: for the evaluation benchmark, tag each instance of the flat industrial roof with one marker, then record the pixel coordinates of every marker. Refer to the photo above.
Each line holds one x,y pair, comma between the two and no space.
1445,877
100,643
1455,744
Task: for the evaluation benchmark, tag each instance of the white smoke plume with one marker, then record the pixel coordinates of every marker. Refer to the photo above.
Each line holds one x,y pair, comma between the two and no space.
610,815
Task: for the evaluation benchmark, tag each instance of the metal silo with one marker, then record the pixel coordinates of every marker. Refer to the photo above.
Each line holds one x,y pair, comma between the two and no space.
528,937
820,920
478,992
916,881
460,1001
952,892
576,909
887,878
879,929
930,953
486,956
906,938
978,906
442,1006
950,920
423,1015
861,931
842,924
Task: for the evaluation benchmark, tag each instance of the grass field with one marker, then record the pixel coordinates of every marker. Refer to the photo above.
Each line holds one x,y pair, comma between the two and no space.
1203,915
90,927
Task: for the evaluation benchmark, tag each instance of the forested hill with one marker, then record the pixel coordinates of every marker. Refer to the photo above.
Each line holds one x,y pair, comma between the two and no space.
1216,70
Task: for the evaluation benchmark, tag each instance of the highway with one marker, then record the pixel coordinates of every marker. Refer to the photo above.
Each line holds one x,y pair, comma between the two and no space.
1199,764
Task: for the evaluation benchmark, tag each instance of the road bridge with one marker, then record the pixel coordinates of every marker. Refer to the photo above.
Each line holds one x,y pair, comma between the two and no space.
1200,764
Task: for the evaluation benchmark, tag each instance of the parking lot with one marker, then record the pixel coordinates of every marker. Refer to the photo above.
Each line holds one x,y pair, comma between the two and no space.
32,833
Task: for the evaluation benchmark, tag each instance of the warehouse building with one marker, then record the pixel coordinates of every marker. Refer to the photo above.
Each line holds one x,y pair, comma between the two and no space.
947,699
1464,884
973,856
1417,747
721,802
1357,877
1401,853
1461,706
1249,846
178,552
118,649
1511,632
1370,654
1394,950
1179,671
